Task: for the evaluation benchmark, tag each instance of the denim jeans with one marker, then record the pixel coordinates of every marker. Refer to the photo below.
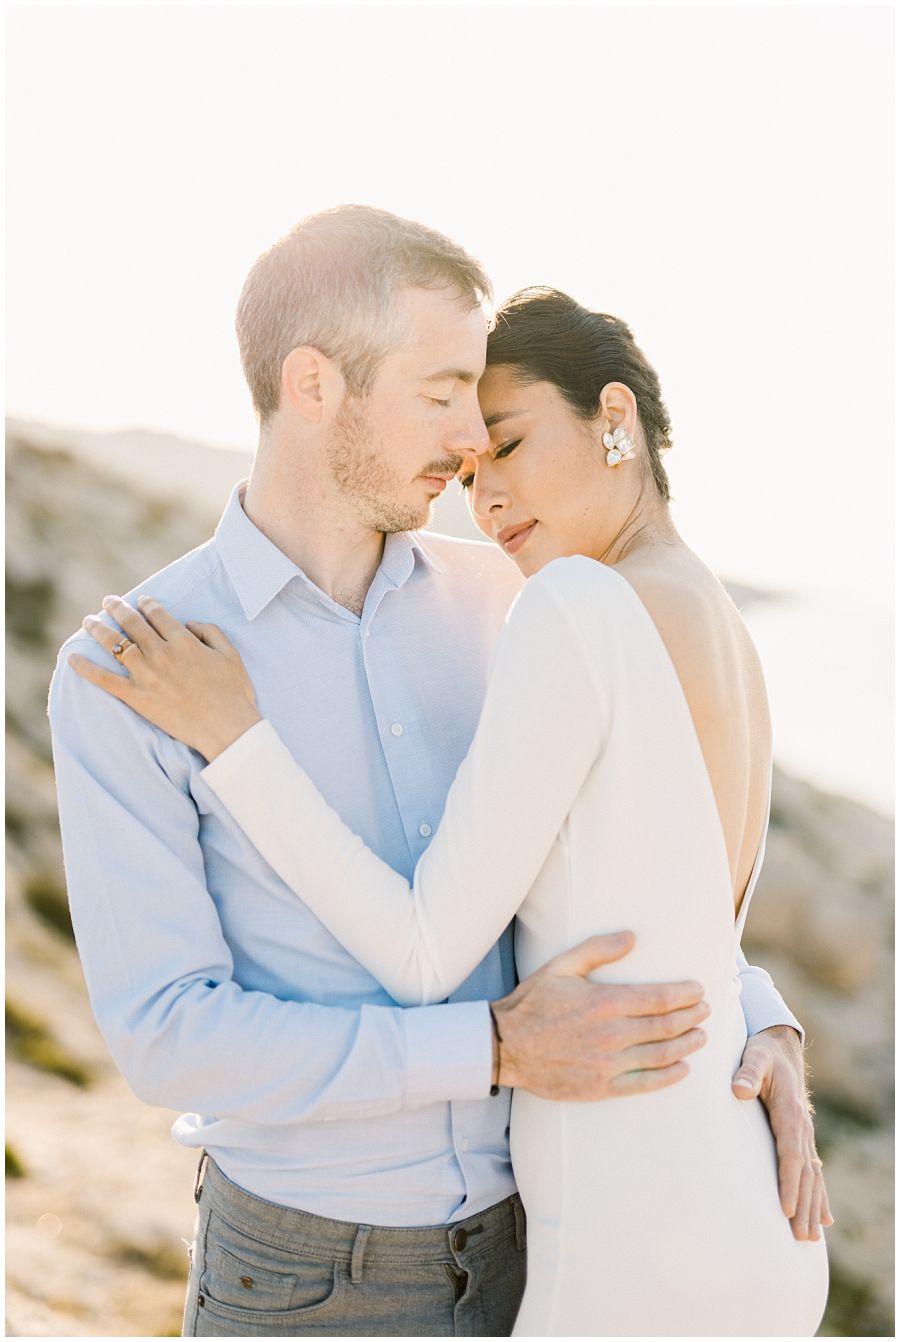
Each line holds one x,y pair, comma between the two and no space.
262,1270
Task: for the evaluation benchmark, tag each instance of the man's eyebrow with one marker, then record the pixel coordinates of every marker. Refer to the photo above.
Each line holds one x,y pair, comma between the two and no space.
460,374
502,414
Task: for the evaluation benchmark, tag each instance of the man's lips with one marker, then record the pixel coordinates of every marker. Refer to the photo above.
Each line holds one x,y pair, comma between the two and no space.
514,537
438,482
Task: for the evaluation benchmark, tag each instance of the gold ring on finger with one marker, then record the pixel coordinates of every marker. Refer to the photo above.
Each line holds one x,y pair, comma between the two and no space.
119,649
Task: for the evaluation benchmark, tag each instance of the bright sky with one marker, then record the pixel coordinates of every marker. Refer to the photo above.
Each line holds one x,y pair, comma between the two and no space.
719,176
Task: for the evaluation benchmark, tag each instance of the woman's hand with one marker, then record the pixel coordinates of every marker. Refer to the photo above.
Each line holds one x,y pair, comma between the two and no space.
187,679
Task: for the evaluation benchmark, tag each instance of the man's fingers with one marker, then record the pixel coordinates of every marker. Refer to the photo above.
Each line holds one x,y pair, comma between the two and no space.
790,1171
653,1029
134,624
591,954
655,1056
119,686
825,1210
637,1083
657,999
800,1219
746,1082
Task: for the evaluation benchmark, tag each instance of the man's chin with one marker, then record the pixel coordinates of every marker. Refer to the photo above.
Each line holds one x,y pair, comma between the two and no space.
396,519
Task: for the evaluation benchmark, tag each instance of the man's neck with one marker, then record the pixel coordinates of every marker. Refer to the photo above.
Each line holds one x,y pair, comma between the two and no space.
335,551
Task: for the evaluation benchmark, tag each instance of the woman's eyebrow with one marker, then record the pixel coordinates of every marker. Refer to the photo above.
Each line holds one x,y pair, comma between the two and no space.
501,415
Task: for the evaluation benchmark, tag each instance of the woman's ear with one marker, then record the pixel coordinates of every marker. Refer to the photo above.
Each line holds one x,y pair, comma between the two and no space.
619,408
311,383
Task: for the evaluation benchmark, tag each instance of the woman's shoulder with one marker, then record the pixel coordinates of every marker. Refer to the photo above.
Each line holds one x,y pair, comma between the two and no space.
585,593
573,579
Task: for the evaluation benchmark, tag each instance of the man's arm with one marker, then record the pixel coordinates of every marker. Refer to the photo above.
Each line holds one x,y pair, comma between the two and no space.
773,1070
160,973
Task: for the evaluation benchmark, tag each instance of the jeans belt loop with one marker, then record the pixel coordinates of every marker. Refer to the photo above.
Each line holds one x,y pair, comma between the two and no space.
359,1253
198,1182
519,1214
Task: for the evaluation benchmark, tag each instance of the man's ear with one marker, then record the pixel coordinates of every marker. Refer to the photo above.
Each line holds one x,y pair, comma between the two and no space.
311,383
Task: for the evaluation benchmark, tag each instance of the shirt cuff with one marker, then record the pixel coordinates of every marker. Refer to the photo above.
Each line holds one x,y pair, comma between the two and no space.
763,1004
449,1053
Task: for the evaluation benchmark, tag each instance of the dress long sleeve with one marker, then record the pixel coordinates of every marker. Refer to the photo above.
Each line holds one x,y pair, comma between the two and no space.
160,971
542,727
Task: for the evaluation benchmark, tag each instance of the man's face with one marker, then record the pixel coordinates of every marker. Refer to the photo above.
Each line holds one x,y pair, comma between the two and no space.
392,450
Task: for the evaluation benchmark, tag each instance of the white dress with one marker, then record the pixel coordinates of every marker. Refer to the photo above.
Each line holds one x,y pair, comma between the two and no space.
583,806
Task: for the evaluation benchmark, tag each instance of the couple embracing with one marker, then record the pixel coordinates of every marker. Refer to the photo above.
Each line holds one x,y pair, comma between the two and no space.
419,886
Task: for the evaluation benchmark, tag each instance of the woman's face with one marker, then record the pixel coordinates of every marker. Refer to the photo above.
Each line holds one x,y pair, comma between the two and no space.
542,488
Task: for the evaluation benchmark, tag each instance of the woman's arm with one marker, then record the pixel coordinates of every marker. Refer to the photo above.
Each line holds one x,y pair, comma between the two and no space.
542,727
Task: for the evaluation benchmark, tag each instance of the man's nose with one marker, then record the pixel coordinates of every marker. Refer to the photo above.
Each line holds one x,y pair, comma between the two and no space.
472,435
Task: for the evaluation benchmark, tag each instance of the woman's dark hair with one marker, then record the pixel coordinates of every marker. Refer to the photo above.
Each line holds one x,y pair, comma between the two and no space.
547,337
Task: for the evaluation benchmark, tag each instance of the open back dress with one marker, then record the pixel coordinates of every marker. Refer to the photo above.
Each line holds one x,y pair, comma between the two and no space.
583,806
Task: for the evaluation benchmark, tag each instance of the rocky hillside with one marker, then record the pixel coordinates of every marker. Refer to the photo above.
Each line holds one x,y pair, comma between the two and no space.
98,1196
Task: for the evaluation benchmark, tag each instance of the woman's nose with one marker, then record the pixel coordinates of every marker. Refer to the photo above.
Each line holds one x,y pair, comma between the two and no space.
486,498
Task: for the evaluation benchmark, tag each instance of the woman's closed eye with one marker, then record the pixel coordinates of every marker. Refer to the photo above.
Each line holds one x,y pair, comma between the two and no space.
467,480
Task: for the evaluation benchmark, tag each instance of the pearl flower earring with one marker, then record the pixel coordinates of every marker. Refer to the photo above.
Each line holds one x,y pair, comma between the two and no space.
619,447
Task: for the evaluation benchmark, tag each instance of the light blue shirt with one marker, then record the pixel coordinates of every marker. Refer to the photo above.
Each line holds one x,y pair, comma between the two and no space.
216,989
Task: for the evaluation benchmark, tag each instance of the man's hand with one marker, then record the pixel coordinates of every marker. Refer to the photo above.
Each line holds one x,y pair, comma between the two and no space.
566,1038
772,1070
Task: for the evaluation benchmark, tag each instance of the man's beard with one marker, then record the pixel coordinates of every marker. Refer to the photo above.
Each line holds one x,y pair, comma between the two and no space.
360,465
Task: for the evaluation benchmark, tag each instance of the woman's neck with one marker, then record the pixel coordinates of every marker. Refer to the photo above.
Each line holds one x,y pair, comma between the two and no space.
649,524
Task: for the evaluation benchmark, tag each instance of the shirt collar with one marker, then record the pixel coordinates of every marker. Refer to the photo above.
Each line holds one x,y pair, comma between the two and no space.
258,570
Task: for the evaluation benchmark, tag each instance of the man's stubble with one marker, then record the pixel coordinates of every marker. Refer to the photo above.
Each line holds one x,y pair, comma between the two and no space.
361,466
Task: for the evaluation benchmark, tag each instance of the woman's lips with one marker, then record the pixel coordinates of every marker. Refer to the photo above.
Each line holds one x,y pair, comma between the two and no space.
517,539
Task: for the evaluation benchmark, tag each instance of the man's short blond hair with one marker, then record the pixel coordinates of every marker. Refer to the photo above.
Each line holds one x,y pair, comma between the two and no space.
332,283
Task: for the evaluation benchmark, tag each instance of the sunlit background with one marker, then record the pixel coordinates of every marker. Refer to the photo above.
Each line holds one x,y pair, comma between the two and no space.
720,176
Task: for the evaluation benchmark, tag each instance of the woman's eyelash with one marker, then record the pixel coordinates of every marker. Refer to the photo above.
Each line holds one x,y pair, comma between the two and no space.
504,451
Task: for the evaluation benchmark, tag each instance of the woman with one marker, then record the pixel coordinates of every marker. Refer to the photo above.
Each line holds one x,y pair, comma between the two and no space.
619,776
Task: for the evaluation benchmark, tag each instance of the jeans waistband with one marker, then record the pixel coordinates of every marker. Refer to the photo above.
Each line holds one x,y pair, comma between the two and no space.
305,1232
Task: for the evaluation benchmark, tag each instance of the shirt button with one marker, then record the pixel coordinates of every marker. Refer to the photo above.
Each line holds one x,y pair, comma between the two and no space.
424,830
396,729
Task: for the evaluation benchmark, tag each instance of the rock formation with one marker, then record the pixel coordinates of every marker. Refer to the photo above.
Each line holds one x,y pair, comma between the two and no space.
98,1194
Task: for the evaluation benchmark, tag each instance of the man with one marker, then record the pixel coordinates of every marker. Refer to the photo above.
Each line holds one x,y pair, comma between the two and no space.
357,1178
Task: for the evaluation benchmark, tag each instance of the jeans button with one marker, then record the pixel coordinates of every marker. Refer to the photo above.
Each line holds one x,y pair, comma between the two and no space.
460,1239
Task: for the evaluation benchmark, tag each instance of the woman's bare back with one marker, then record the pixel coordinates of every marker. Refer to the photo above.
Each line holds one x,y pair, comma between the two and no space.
723,682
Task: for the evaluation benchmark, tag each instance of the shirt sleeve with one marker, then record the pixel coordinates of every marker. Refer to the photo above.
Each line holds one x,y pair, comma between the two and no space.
160,973
762,1003
543,725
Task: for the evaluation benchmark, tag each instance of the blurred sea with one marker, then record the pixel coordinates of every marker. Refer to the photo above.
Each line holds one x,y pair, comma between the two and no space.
828,659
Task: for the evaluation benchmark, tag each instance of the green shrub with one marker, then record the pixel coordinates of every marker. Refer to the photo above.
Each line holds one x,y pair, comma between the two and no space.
29,607
29,1039
14,1167
45,894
